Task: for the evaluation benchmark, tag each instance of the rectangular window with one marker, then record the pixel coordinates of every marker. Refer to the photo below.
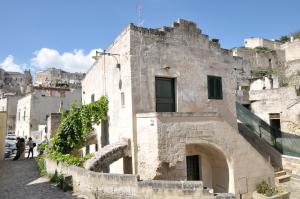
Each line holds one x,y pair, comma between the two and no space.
165,94
214,84
122,100
24,114
92,97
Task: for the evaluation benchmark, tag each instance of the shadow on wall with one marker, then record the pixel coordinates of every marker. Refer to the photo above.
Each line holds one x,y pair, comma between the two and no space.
207,163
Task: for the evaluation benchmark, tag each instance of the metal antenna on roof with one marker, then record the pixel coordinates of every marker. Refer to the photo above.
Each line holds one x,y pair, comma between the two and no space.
140,9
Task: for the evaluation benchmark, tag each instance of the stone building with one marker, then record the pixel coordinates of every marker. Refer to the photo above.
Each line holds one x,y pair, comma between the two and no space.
273,84
172,96
33,109
14,82
8,103
58,78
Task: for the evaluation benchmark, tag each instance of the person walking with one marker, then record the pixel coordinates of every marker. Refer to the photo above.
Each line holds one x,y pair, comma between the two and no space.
22,149
18,145
30,143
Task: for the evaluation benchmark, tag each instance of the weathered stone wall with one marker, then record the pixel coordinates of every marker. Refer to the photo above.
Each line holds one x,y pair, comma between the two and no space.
292,50
190,56
53,122
227,158
282,100
257,41
104,78
91,184
54,76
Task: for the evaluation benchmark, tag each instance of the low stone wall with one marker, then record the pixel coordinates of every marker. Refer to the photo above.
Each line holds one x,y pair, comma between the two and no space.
97,185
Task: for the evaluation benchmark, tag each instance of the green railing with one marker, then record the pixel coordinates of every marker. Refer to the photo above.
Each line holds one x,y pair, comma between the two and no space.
285,143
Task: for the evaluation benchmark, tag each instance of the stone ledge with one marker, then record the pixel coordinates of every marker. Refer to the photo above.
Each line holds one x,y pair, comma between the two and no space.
177,114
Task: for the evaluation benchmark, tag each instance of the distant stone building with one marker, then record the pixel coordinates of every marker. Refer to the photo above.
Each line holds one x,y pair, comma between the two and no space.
54,77
172,97
8,103
33,109
271,81
14,82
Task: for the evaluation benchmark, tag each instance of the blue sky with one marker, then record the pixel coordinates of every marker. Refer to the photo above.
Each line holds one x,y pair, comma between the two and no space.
37,34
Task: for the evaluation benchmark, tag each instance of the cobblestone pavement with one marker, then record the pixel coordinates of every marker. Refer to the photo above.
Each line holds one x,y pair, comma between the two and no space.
20,180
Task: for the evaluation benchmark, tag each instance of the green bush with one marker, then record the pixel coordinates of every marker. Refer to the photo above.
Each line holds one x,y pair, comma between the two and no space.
77,123
265,189
42,147
40,160
58,179
284,39
261,49
68,158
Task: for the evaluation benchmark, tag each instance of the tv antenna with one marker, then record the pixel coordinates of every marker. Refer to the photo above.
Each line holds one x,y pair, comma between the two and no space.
140,10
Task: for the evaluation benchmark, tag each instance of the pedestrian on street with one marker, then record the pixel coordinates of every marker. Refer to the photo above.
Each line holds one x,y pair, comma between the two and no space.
18,145
31,145
22,148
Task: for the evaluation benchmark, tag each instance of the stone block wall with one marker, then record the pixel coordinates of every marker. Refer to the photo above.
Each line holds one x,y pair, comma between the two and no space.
226,156
93,184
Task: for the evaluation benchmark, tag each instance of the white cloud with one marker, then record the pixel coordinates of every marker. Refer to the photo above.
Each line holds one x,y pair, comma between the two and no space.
76,61
9,65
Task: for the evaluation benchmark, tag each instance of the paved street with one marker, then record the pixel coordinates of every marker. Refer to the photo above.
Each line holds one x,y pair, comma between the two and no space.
20,180
292,186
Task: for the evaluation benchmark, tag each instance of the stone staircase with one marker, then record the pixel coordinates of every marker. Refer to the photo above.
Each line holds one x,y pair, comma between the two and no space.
107,155
282,176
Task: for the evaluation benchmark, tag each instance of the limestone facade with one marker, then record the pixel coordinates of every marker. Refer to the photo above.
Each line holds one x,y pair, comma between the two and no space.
56,77
274,81
33,109
161,142
14,82
8,104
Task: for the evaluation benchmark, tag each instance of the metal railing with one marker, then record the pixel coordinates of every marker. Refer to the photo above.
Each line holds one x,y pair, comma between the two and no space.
285,143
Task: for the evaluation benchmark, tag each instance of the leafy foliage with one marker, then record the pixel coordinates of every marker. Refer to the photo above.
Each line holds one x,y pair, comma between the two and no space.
284,39
58,179
261,49
77,123
40,160
265,189
68,158
296,35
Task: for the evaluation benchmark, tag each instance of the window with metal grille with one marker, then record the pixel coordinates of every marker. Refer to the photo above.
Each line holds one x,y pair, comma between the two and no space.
214,84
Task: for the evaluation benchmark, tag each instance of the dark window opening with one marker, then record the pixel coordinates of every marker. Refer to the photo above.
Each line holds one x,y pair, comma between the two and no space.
214,87
165,94
122,100
192,167
92,97
270,62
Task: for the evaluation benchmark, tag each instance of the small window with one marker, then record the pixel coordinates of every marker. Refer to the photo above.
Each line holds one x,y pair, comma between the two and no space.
87,149
92,97
214,87
122,100
270,62
24,114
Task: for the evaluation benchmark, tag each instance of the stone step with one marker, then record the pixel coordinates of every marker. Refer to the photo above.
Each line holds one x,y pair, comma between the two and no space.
283,178
280,173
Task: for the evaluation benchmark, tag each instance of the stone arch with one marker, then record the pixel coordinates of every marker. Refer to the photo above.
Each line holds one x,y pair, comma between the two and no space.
214,169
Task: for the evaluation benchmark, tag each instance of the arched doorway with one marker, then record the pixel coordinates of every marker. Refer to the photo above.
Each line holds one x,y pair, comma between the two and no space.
207,163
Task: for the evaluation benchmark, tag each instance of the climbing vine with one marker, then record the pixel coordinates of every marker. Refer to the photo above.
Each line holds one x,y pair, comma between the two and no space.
77,123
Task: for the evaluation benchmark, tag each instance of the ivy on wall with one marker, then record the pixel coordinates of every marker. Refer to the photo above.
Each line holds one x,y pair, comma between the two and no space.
76,124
